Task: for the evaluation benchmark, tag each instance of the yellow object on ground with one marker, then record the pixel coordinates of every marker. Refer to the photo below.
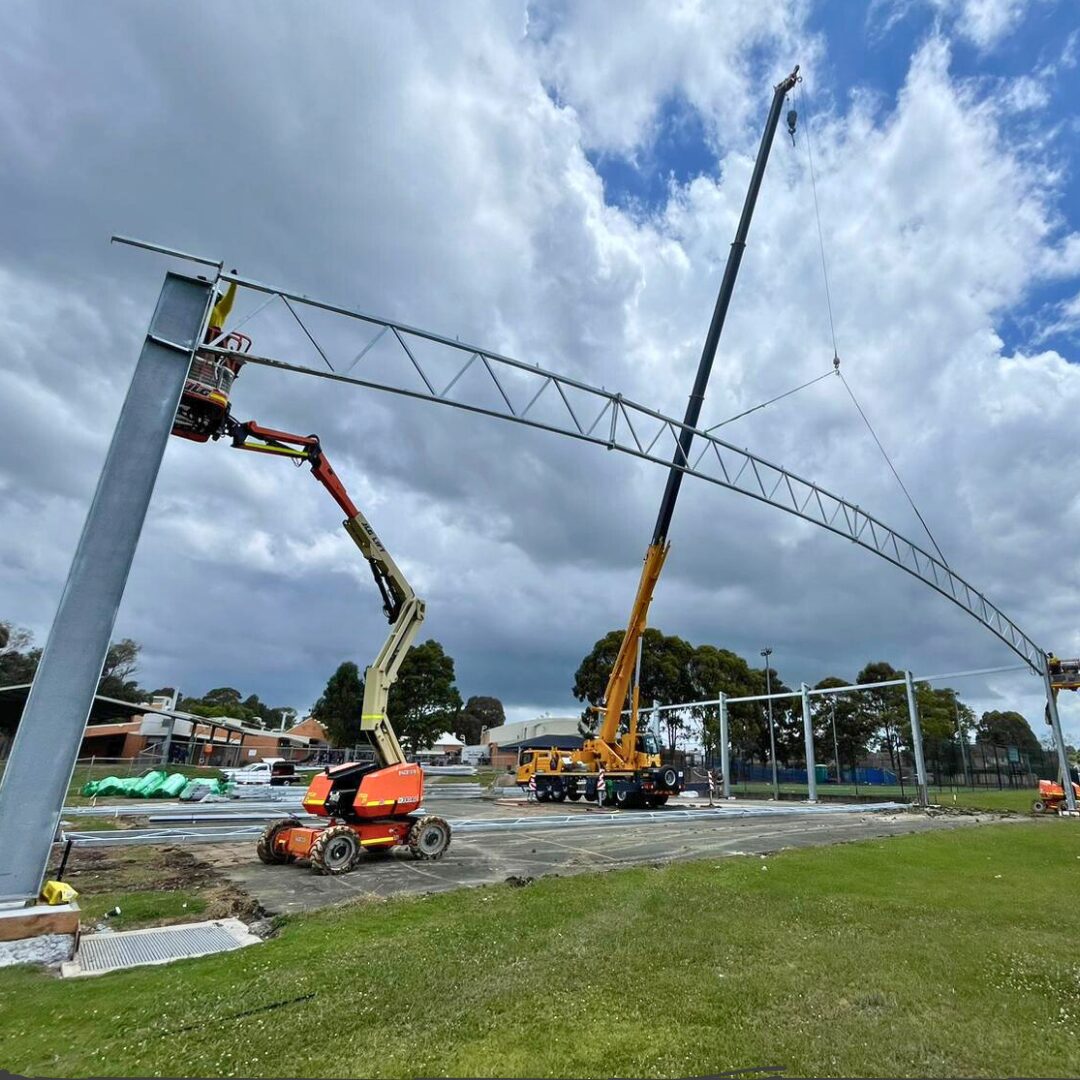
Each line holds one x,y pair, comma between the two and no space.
58,892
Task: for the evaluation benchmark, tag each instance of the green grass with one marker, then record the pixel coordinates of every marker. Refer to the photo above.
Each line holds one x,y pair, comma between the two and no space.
978,798
140,908
940,954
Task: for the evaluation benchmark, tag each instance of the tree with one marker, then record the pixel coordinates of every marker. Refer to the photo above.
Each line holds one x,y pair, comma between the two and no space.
121,663
884,708
665,676
854,726
424,701
715,671
18,657
338,709
480,714
1007,729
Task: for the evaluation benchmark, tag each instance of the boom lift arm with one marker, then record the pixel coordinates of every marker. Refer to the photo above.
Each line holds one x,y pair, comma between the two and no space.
403,608
622,671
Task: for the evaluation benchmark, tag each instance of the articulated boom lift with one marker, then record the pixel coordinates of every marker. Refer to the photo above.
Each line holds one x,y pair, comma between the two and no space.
370,806
632,760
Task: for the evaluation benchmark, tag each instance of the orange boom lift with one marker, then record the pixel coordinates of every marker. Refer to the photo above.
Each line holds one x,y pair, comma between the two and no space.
367,806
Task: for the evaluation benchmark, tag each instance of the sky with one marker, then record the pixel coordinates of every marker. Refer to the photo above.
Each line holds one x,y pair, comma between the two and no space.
561,186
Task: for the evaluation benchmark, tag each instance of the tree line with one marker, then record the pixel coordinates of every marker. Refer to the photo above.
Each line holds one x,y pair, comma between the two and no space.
423,702
871,720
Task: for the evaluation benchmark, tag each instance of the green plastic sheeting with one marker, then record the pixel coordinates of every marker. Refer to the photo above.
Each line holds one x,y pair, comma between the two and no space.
155,784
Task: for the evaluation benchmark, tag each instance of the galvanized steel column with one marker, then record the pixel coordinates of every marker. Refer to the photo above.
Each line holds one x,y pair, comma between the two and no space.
916,742
1059,739
808,735
725,750
46,746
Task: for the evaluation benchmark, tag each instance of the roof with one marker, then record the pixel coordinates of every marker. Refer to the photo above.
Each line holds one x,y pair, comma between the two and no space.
446,739
547,742
13,700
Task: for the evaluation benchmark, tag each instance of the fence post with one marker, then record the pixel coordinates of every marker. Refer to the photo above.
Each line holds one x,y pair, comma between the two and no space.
916,741
725,753
808,734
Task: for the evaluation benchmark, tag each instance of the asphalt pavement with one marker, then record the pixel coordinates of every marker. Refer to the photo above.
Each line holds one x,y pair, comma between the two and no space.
490,858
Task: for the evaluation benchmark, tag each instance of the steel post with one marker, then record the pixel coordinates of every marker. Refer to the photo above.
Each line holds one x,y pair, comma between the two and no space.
835,741
725,750
808,735
916,742
46,746
1059,739
166,746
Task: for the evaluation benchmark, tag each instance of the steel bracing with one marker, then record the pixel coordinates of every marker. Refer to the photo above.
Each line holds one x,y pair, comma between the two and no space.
419,364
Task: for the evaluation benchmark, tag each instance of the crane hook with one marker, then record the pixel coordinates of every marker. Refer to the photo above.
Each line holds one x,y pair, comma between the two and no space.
792,120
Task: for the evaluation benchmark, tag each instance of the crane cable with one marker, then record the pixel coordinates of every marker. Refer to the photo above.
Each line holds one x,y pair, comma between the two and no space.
832,331
786,393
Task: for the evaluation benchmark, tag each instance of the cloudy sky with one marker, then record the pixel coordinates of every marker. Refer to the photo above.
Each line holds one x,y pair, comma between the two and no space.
560,183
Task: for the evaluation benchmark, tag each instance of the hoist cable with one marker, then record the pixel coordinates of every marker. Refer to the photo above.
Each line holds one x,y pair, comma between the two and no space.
820,233
832,331
870,428
779,397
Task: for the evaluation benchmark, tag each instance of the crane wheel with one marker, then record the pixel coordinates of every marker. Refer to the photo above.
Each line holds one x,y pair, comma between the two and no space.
573,796
336,851
429,838
265,849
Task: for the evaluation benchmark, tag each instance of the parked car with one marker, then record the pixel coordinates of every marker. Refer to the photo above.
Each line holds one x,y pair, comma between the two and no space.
275,771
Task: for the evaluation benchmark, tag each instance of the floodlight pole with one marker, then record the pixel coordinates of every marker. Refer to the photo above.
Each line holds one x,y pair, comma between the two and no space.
46,747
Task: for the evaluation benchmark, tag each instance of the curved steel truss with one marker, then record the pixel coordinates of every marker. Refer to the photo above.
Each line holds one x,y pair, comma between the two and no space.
429,367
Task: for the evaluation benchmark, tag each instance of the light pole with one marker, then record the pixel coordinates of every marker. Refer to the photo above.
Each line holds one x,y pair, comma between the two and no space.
767,652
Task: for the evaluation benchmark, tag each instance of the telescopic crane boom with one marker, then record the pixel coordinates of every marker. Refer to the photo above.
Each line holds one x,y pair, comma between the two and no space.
623,669
631,760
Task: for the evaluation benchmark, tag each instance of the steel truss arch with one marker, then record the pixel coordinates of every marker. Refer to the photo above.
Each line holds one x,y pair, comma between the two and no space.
603,418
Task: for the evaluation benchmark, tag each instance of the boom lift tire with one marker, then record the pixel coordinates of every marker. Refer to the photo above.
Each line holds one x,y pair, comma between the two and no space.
429,838
265,847
336,851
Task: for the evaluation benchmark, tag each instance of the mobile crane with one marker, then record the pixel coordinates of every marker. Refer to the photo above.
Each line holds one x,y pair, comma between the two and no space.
631,760
369,806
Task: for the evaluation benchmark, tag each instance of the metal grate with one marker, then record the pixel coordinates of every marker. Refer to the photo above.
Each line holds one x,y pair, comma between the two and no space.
99,953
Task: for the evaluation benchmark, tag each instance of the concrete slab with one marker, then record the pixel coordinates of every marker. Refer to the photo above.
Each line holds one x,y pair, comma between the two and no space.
493,858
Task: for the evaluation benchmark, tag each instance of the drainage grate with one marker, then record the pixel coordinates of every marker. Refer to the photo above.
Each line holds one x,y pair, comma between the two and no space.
99,953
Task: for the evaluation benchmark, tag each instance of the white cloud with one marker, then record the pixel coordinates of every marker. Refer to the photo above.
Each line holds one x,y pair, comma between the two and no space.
419,168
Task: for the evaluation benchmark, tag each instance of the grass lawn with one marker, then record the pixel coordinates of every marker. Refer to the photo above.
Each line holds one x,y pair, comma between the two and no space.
942,954
976,798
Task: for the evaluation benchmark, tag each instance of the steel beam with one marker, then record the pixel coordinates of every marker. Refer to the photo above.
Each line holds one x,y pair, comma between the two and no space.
47,743
725,750
916,741
1059,739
